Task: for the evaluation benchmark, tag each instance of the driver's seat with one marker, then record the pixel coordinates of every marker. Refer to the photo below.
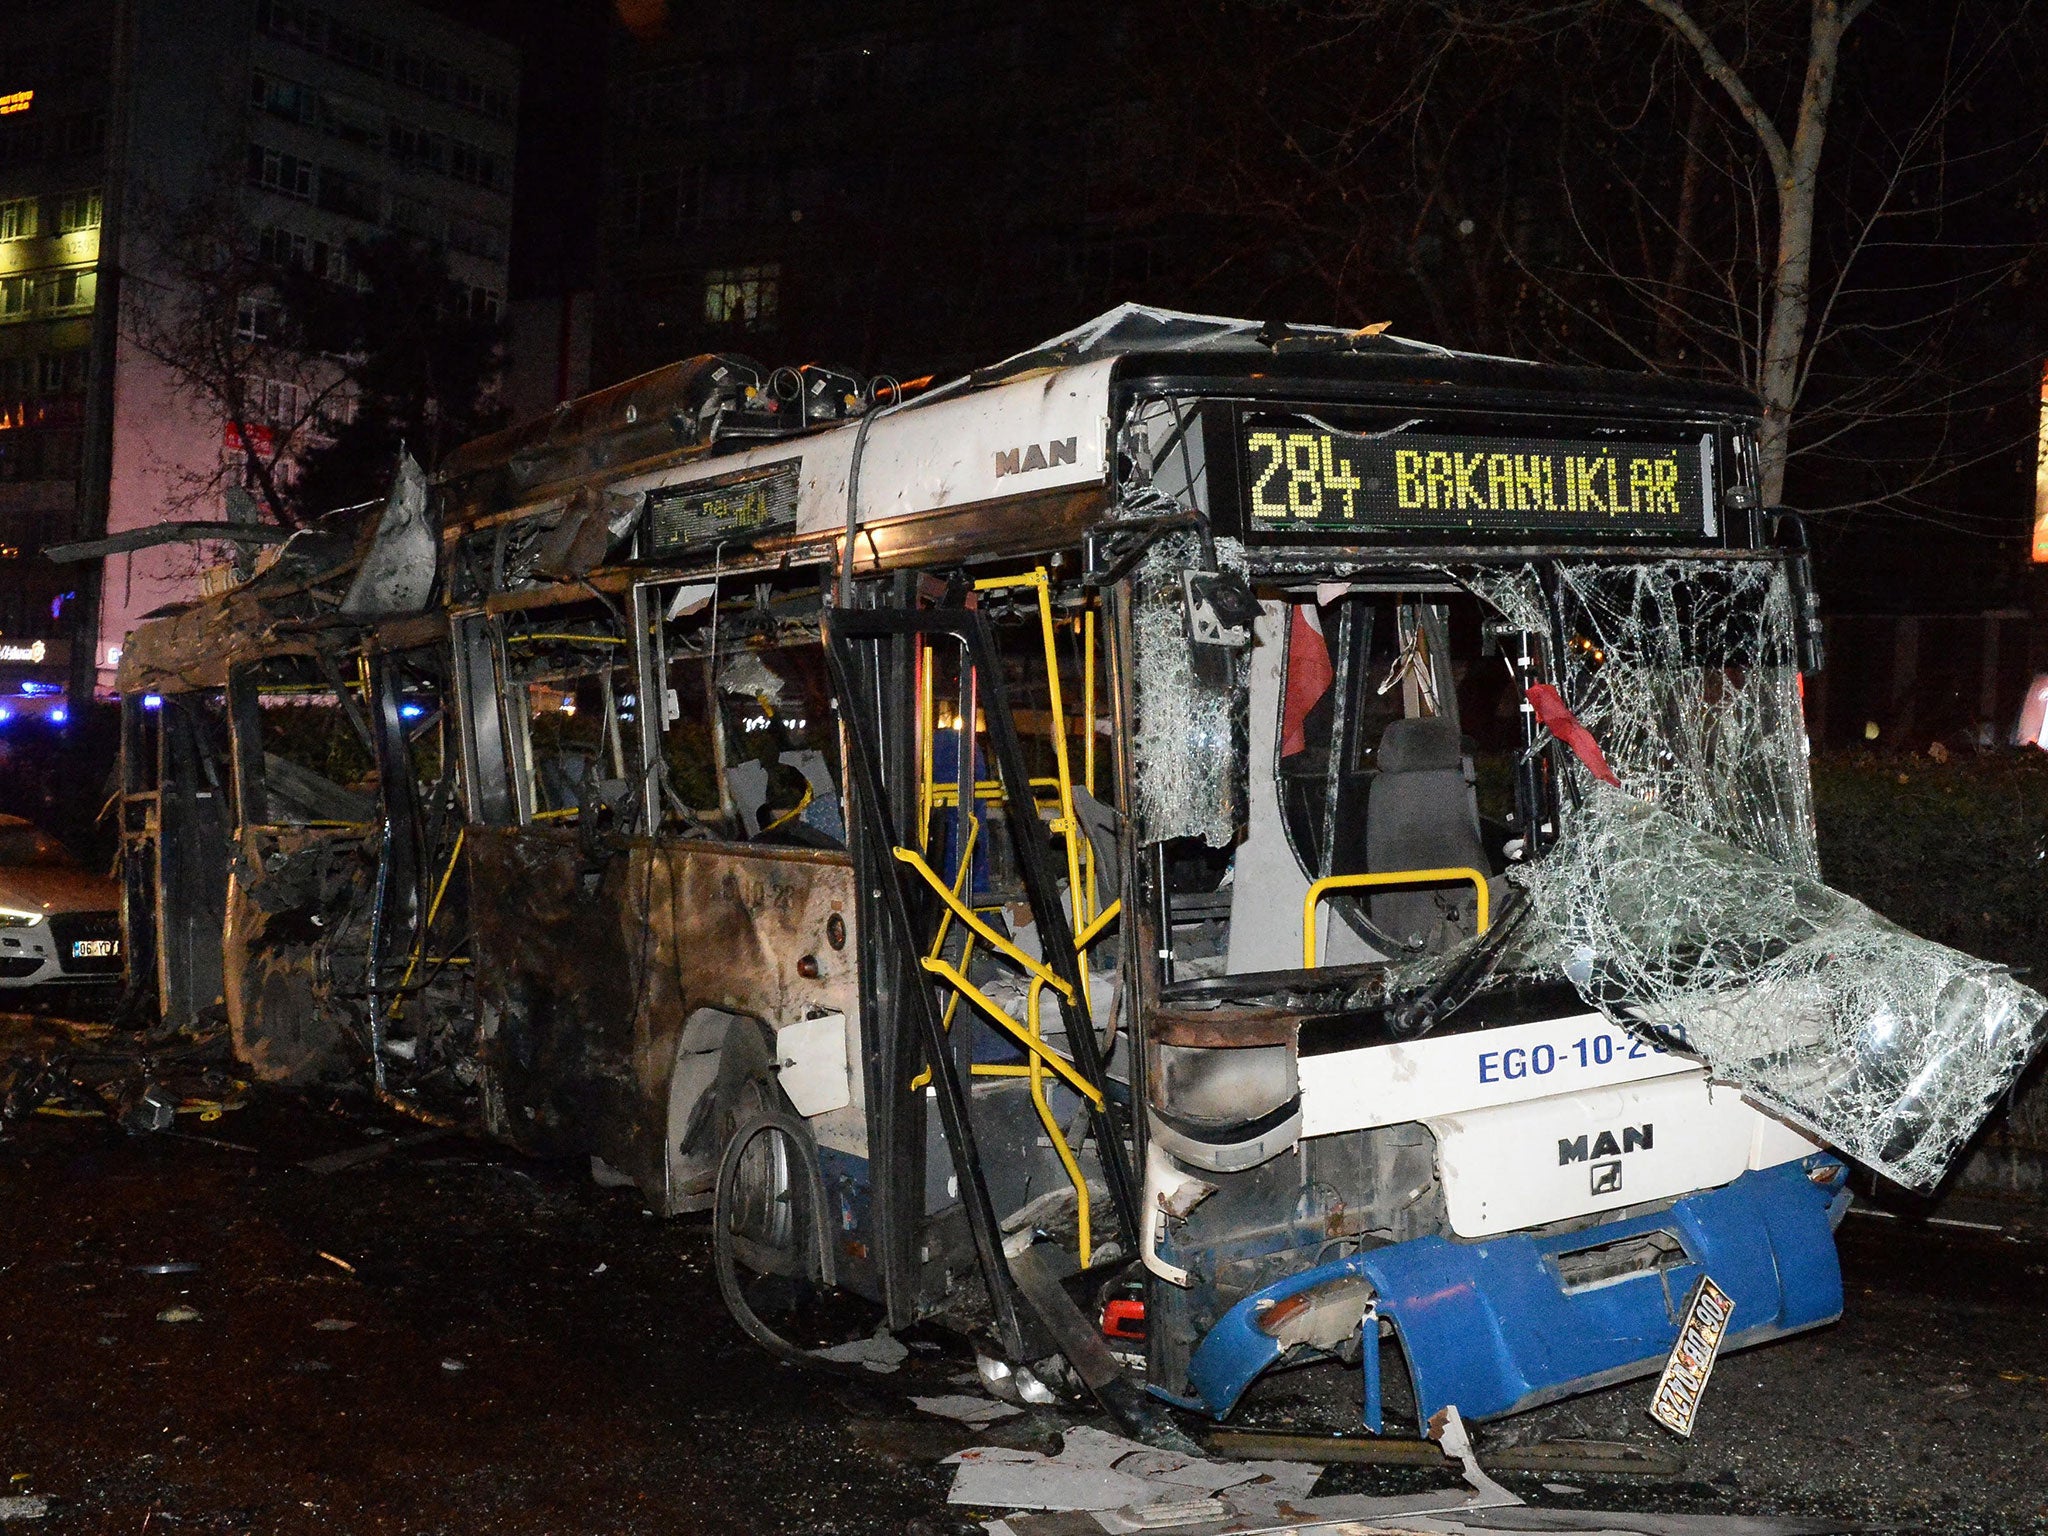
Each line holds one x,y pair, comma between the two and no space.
1422,813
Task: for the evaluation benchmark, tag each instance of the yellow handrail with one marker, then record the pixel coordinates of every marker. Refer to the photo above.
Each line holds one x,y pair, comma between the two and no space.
1094,930
433,911
1055,1135
975,925
1329,883
1018,1032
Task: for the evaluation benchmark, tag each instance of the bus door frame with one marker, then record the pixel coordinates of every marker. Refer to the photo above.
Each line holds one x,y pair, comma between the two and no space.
867,718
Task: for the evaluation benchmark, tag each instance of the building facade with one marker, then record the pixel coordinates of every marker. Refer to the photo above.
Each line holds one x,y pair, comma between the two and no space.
55,84
313,126
912,185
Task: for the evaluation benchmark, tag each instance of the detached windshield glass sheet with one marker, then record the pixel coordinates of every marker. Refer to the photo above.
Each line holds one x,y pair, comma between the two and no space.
1687,902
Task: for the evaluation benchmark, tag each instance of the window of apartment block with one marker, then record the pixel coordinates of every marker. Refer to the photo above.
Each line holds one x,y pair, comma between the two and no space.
466,162
413,145
62,373
278,402
278,172
410,216
258,321
17,218
59,292
283,247
79,210
80,134
747,297
421,72
479,95
281,98
354,46
60,454
351,195
17,297
352,121
21,141
485,304
476,238
291,20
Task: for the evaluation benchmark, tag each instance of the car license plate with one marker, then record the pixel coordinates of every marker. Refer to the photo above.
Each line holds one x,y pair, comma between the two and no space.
95,949
1676,1402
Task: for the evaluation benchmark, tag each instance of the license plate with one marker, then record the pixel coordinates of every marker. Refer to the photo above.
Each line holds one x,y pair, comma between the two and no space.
95,949
1676,1402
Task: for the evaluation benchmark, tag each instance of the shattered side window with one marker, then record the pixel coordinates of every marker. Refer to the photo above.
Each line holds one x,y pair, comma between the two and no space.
1685,901
573,695
1189,745
749,744
315,768
781,745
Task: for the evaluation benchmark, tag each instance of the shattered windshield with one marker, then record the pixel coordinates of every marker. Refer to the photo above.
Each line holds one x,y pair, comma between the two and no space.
1685,900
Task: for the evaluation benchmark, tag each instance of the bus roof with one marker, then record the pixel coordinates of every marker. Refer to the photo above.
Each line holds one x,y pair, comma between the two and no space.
663,425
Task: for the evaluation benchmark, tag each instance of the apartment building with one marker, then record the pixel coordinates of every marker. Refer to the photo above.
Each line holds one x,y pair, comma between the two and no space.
909,184
317,125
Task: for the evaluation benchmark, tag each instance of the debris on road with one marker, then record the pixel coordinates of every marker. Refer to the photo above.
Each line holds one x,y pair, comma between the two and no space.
172,1267
370,1152
21,1506
450,1363
1362,1450
1601,1458
338,1263
976,1411
882,1352
178,1315
334,1325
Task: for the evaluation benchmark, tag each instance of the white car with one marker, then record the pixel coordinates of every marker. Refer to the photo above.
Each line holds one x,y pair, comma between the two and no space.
59,922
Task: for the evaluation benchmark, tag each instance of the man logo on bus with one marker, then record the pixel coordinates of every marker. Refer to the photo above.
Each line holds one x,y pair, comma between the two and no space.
1634,1138
1021,461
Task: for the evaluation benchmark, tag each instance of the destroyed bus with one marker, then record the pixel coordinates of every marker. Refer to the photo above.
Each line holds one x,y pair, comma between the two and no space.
1233,843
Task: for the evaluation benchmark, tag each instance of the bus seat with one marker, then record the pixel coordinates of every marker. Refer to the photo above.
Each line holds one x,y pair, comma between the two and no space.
1420,814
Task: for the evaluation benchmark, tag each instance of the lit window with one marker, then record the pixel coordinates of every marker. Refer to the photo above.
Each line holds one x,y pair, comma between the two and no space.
747,297
79,210
68,290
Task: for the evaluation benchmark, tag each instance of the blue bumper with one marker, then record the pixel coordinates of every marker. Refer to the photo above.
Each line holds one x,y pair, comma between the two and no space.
1490,1327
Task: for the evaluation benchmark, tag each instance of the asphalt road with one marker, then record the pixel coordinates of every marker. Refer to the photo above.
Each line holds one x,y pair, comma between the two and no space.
525,1352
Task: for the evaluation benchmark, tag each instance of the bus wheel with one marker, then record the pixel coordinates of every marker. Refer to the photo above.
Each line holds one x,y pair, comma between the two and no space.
770,1245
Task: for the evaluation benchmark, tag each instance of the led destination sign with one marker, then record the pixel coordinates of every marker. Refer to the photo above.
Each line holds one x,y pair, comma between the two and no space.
1304,480
741,505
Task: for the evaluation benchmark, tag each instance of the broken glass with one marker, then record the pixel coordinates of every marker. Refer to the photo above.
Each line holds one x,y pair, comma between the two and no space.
1189,747
1687,902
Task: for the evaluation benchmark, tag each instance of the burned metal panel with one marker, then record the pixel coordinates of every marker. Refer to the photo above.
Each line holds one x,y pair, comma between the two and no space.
587,967
397,573
194,815
291,949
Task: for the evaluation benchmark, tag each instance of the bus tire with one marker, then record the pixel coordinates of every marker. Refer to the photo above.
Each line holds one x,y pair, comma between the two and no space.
762,1184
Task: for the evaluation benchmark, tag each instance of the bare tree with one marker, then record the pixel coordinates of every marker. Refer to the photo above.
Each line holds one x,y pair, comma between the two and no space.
226,318
1802,196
